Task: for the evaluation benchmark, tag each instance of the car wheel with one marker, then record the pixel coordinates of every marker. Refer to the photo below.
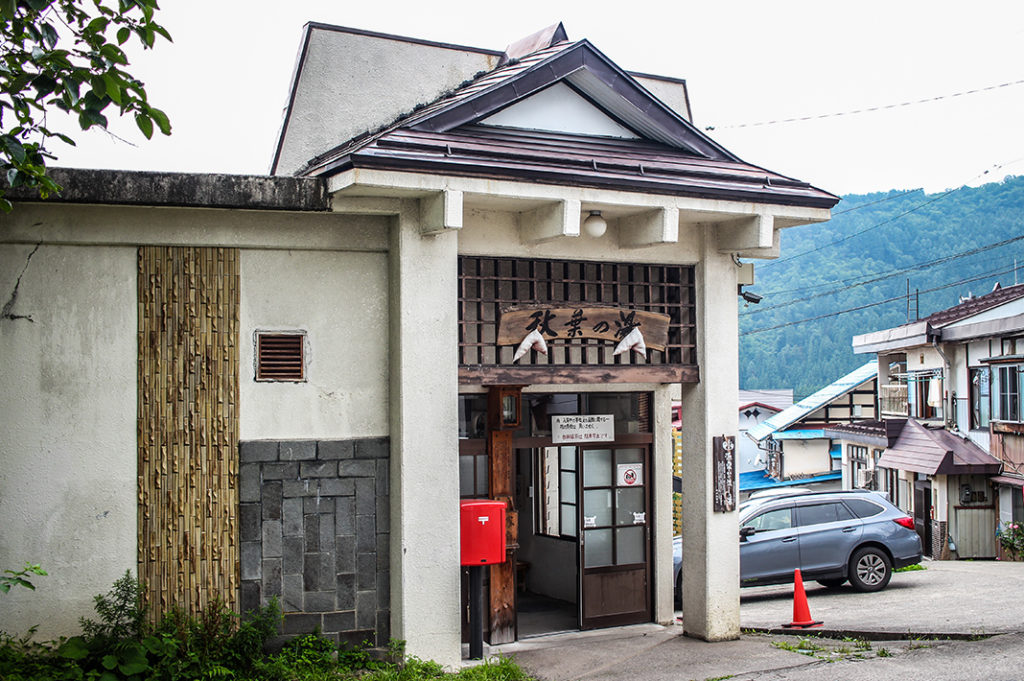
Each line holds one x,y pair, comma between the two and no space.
870,569
832,583
679,589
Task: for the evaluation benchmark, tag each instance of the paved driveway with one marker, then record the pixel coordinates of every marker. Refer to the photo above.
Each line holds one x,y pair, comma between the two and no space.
949,597
962,599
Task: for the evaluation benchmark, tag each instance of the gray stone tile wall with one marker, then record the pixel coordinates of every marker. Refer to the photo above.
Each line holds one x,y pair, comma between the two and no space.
314,531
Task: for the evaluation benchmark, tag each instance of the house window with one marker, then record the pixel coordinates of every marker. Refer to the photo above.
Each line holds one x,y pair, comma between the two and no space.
858,462
280,356
980,400
1006,392
924,394
556,480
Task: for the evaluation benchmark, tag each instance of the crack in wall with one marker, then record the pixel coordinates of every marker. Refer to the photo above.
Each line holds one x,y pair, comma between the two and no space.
9,305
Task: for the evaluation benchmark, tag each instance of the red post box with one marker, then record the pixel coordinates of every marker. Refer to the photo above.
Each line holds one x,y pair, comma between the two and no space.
482,525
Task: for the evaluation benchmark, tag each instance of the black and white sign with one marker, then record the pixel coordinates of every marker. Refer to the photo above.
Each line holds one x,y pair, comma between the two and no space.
590,428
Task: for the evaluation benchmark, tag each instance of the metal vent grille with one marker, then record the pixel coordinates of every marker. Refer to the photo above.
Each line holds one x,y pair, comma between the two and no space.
280,357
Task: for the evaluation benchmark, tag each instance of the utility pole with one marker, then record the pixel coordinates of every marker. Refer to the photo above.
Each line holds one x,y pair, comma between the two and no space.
908,300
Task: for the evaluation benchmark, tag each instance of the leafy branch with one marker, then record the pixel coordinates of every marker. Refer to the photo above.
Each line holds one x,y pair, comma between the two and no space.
20,578
67,54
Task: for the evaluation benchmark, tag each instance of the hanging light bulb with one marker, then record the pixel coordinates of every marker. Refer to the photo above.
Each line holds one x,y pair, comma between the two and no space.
595,225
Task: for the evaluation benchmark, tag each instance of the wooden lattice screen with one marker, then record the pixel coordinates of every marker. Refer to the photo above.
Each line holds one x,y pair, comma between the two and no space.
489,285
188,426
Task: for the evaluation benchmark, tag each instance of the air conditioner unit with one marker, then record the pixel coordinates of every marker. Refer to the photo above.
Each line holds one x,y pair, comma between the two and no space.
866,478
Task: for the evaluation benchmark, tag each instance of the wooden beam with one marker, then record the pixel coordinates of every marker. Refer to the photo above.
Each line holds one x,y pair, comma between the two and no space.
501,487
550,221
441,211
568,375
756,231
660,226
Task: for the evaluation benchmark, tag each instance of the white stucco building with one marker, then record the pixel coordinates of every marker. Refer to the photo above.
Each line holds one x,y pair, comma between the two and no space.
251,387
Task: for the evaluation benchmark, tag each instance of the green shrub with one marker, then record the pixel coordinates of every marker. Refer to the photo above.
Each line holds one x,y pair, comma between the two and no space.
121,645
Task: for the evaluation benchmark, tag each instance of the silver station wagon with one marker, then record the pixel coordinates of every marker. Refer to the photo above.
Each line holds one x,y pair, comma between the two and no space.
833,537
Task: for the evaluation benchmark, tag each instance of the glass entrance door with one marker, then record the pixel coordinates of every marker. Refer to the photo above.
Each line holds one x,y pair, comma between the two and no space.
614,535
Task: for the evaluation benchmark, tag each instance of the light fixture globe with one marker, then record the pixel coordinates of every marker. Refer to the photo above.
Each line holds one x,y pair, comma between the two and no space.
595,226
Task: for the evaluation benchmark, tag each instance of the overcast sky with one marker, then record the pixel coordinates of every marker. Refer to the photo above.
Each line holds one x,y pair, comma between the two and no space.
224,80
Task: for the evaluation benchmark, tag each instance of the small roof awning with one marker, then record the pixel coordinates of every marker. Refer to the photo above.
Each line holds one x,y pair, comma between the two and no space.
937,452
1008,480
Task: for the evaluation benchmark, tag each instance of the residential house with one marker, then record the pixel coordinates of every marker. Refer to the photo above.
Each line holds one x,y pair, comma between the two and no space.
796,447
757,406
949,396
254,387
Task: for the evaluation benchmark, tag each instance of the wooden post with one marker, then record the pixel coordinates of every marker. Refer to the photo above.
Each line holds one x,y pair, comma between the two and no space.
502,474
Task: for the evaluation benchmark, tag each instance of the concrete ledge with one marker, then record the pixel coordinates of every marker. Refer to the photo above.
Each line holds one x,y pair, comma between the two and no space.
190,190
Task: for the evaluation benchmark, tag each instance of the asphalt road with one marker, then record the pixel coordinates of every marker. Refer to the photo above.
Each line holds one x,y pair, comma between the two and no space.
976,606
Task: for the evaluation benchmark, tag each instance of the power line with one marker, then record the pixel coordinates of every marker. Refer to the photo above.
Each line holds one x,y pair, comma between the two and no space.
889,275
867,229
872,203
870,109
876,304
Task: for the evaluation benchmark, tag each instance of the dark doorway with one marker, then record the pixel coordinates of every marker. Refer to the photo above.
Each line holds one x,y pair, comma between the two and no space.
923,513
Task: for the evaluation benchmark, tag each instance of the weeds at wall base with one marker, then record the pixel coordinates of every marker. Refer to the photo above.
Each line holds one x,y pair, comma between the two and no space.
122,645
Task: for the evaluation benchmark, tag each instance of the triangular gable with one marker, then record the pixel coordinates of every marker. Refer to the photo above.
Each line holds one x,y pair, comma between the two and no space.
559,109
588,72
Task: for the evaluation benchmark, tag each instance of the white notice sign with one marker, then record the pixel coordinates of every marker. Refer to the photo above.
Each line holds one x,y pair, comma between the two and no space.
630,474
592,428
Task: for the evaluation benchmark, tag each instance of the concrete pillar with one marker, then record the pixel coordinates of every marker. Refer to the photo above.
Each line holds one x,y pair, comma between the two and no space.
425,586
711,590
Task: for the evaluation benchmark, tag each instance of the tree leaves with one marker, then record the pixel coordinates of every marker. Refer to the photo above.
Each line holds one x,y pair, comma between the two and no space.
42,68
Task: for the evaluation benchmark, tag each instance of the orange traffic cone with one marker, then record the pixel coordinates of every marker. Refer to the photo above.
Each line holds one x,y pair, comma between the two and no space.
801,613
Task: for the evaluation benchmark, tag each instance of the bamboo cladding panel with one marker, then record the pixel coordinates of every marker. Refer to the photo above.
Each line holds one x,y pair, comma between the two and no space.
188,427
490,286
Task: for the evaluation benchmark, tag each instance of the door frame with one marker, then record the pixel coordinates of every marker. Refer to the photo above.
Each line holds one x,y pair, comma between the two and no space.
645,599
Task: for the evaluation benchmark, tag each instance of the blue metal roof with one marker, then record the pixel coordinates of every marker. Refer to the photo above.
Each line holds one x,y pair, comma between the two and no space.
800,434
755,480
812,403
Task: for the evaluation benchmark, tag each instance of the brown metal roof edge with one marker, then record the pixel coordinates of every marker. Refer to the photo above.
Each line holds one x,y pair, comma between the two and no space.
640,183
187,190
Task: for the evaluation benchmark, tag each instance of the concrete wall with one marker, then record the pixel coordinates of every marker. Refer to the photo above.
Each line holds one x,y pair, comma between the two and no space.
341,301
350,83
67,434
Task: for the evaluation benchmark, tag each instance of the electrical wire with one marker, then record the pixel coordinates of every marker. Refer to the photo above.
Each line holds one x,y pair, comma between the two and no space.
894,273
876,304
870,109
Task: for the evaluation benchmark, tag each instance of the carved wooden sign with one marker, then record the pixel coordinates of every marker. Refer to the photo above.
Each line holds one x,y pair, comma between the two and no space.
566,323
724,473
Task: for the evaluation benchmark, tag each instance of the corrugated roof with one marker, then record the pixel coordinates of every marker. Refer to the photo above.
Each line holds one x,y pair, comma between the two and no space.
975,305
800,434
812,403
930,328
560,158
754,480
936,451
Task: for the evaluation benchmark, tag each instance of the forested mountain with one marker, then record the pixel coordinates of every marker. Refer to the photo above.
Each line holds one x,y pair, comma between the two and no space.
832,279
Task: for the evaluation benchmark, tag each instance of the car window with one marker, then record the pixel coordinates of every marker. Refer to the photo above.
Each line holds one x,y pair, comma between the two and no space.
862,508
776,519
816,514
